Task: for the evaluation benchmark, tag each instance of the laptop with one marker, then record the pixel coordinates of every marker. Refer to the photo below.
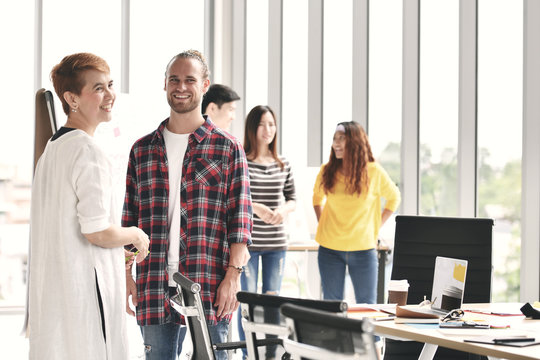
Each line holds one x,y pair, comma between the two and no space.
448,285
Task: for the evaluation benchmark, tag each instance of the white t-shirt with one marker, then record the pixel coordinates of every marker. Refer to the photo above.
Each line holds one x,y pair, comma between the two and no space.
175,146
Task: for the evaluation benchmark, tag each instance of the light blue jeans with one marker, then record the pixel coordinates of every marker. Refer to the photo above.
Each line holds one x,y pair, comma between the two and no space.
164,342
273,263
363,269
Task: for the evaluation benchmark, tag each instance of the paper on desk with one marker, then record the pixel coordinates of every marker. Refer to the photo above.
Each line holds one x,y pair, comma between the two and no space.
481,332
424,326
416,320
413,311
388,308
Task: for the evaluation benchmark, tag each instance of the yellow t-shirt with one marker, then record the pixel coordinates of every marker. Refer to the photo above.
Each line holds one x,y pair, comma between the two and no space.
351,222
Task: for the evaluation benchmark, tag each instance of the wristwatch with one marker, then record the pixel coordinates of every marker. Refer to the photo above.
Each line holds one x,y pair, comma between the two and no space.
240,269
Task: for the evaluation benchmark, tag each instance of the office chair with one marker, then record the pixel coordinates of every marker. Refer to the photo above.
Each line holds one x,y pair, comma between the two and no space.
418,241
45,122
188,302
321,335
260,314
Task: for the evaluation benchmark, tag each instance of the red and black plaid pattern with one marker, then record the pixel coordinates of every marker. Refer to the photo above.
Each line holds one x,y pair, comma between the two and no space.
215,211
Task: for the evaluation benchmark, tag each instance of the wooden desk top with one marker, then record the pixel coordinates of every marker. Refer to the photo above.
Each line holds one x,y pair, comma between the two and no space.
453,338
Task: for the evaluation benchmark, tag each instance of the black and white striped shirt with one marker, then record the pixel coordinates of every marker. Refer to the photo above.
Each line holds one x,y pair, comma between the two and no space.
272,187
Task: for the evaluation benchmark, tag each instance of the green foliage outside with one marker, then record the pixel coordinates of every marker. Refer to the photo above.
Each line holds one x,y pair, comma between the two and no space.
499,197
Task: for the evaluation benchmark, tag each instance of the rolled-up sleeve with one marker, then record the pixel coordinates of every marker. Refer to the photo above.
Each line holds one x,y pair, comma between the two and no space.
239,209
130,212
92,184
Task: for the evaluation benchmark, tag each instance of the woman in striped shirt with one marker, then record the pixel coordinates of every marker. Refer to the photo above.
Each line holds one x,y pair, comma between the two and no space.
273,197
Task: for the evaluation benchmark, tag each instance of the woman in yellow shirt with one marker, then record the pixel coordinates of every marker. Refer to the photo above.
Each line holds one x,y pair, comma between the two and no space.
347,199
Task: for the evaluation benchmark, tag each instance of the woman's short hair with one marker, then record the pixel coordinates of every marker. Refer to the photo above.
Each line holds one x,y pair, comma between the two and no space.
67,75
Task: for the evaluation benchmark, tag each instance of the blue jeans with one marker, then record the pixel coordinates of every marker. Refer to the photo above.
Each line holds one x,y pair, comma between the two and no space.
218,334
164,342
273,263
363,268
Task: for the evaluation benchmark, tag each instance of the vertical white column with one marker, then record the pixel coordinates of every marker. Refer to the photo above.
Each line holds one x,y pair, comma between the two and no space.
315,82
467,128
360,62
38,44
125,39
530,208
209,35
275,60
410,128
237,63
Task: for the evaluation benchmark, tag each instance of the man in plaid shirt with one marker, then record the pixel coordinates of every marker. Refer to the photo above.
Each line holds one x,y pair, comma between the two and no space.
187,187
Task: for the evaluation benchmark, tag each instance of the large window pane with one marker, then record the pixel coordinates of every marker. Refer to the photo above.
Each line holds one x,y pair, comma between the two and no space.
385,83
295,78
159,30
82,27
500,85
294,123
256,54
439,75
337,68
16,149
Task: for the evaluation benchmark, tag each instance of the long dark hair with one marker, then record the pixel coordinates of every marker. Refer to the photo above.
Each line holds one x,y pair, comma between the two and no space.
253,120
356,156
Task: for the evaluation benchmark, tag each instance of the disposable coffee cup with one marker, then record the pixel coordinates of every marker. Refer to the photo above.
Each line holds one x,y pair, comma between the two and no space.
451,298
398,290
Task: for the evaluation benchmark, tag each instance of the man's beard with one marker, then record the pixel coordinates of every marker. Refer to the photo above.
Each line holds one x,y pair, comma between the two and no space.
183,108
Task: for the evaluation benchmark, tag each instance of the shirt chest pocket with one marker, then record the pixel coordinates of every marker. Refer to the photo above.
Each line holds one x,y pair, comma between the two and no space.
207,172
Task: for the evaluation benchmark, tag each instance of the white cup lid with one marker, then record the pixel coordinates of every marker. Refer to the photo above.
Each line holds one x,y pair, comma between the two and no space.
398,285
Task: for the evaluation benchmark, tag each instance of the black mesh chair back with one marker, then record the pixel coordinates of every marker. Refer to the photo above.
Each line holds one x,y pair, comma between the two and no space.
261,315
418,241
329,335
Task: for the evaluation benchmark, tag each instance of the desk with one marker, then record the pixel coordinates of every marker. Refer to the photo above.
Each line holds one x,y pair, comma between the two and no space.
433,338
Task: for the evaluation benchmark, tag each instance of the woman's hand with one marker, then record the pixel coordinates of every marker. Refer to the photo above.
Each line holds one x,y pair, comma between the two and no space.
263,212
141,242
278,215
129,258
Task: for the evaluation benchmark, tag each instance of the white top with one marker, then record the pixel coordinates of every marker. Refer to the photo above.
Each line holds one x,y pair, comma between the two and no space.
71,195
175,146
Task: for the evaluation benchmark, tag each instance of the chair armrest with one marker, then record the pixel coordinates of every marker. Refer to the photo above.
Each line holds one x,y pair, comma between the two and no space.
313,352
269,329
242,344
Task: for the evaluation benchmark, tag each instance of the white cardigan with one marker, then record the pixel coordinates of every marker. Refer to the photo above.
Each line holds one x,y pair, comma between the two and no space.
72,195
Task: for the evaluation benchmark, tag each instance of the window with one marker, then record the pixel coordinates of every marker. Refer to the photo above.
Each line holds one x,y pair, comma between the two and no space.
439,55
337,68
256,54
16,147
385,73
500,90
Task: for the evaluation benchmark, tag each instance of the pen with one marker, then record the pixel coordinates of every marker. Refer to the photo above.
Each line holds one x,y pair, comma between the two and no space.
513,339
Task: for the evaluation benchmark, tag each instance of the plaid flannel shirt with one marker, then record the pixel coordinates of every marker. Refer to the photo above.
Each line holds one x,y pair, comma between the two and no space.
215,211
